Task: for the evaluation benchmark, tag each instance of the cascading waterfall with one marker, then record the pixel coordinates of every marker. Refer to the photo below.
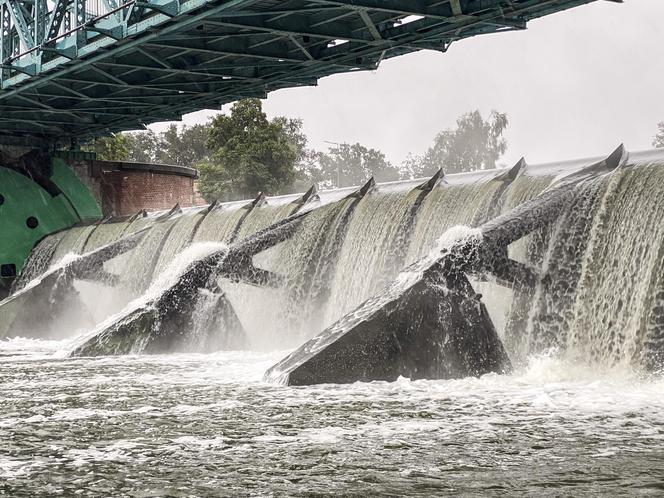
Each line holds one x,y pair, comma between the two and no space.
261,217
599,295
445,207
179,237
521,190
39,260
73,242
138,267
618,285
503,304
220,224
545,312
601,269
307,261
104,234
373,250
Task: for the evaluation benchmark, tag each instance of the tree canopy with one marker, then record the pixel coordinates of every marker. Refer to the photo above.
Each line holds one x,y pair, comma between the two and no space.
112,148
659,138
183,146
475,144
250,153
243,152
345,165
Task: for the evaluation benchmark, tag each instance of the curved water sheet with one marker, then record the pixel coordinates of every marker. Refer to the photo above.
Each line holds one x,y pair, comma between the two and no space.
184,310
521,190
499,299
263,216
105,233
179,238
619,288
177,313
447,206
72,242
220,224
289,315
599,299
46,308
51,305
135,270
461,204
430,323
39,261
373,249
538,320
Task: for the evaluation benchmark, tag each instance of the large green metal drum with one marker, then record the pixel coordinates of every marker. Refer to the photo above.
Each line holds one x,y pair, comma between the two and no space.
32,209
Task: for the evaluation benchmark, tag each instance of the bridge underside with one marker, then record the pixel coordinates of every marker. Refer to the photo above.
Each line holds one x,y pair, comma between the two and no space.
101,67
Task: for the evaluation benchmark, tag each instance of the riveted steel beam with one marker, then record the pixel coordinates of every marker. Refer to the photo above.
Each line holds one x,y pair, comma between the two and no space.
73,75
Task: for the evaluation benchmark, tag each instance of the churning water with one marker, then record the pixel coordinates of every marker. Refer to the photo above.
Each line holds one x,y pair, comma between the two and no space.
207,425
579,415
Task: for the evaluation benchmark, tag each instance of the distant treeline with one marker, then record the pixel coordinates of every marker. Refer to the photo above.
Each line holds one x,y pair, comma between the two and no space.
658,142
243,152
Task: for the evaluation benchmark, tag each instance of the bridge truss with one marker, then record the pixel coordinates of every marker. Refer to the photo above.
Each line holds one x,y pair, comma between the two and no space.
82,68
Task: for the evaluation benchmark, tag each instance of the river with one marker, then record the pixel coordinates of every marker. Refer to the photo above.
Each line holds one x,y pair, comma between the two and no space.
208,425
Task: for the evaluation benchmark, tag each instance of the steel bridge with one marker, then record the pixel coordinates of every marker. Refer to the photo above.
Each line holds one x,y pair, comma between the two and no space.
83,68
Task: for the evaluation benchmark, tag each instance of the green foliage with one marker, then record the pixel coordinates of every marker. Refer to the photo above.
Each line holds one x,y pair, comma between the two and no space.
143,146
112,148
659,138
250,153
183,146
475,144
243,153
345,165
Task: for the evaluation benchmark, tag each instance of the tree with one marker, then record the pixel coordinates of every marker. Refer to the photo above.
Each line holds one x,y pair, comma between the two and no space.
249,153
410,167
143,146
659,138
184,146
114,147
345,165
475,144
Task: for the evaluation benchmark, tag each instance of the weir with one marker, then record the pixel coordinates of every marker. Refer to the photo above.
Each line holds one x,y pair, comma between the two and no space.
586,282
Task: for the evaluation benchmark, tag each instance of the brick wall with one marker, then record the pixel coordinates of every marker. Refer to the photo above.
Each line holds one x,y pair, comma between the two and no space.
124,193
124,188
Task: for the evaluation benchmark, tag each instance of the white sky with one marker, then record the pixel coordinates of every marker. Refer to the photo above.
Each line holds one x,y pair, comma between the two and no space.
574,84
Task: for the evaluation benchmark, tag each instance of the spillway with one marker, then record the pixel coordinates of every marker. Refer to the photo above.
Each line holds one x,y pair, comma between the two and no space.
579,413
598,297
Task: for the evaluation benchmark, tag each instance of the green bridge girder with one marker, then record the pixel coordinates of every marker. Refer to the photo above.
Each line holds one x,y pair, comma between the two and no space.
83,68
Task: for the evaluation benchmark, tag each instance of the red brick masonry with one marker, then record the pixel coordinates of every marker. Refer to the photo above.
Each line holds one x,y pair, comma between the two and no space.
124,188
127,192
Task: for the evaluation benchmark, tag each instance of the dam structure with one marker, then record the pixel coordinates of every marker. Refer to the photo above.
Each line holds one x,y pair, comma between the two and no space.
464,334
71,71
585,280
499,332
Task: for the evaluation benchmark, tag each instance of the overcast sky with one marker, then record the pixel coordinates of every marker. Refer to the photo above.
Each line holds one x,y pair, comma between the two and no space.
574,84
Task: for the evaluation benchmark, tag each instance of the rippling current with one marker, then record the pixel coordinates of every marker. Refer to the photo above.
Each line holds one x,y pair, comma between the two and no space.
208,425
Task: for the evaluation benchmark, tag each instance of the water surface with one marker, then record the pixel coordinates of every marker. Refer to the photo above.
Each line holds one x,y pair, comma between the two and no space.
207,425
